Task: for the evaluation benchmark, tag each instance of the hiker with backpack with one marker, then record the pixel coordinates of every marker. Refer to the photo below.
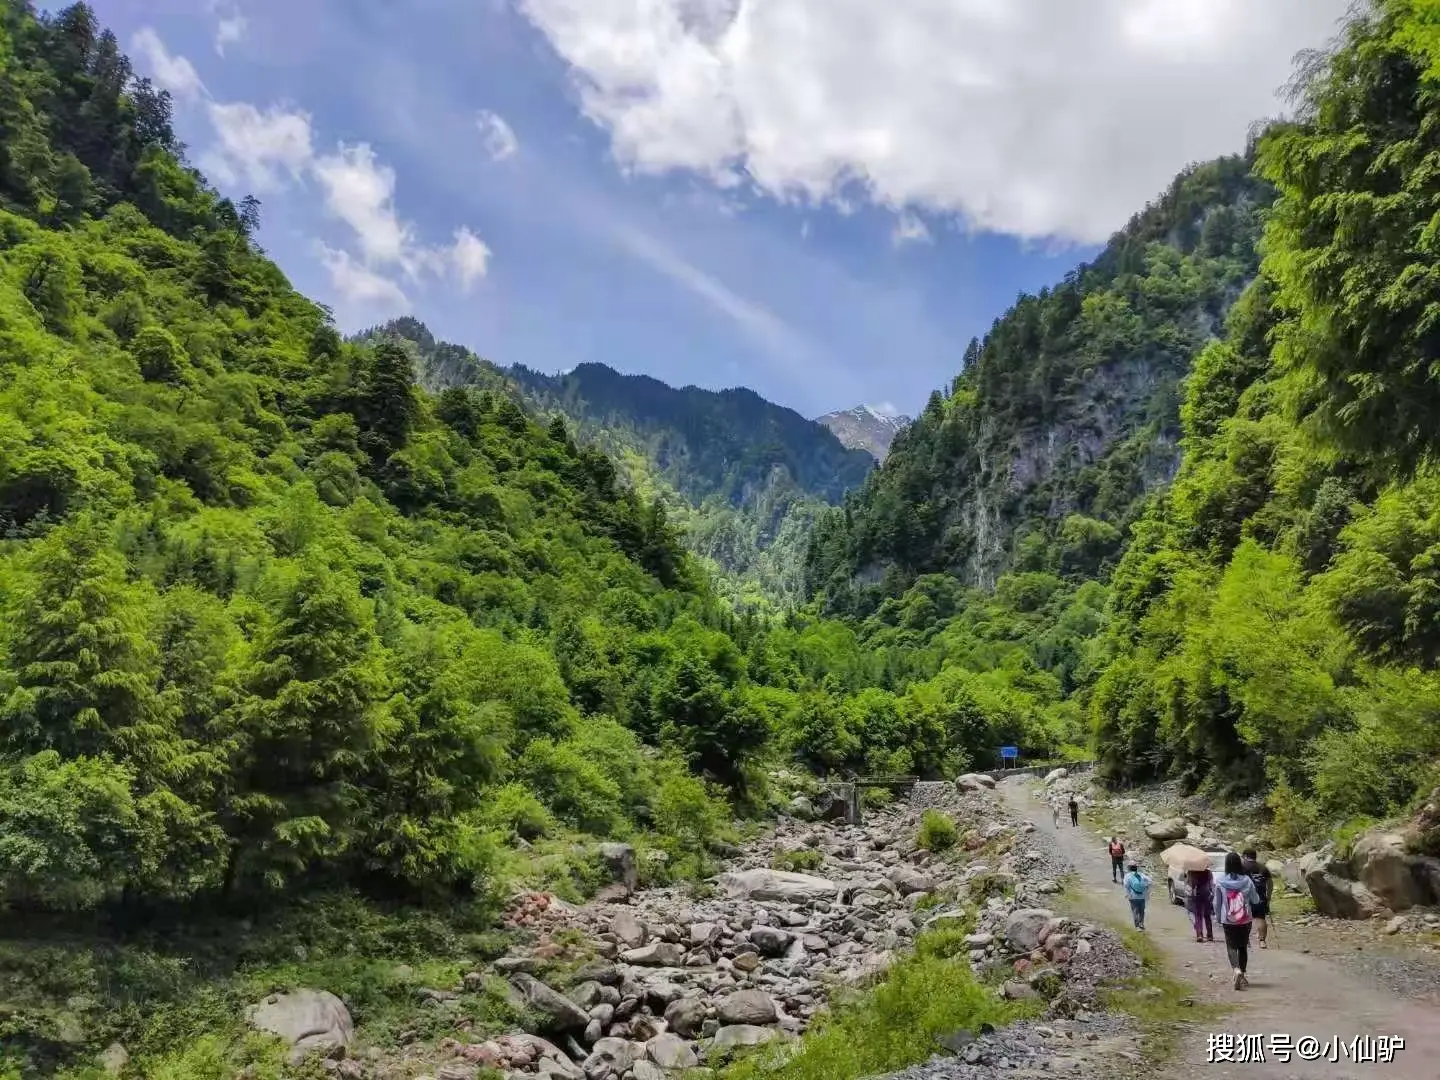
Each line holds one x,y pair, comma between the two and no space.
1257,872
1235,902
1137,891
1117,858
1074,812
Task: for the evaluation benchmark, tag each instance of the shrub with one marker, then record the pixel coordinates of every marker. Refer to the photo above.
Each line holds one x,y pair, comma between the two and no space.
925,996
799,861
937,831
514,809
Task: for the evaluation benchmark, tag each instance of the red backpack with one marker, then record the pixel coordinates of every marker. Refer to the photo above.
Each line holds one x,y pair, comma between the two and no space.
1237,908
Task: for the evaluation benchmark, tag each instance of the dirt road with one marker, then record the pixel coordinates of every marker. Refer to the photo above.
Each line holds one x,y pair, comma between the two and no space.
1291,994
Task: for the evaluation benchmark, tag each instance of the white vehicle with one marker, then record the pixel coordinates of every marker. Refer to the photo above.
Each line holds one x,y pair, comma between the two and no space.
1178,883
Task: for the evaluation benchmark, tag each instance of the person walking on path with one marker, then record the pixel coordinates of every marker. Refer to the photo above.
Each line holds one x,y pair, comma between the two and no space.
1257,872
1202,884
1074,812
1235,900
1117,858
1055,813
1137,891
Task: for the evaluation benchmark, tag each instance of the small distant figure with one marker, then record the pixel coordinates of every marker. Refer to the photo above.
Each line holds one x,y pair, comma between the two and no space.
1117,858
1257,872
1137,891
1200,903
1235,900
1055,814
1074,812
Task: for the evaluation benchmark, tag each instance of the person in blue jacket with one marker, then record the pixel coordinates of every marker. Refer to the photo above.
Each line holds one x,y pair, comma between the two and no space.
1137,891
1235,899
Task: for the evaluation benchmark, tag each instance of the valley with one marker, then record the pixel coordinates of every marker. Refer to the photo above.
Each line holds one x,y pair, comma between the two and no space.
371,709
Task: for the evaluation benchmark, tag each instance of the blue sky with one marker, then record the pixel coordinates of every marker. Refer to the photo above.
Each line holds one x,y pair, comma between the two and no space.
719,192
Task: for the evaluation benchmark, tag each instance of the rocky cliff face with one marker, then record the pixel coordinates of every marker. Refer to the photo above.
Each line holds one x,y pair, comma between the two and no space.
1064,418
865,427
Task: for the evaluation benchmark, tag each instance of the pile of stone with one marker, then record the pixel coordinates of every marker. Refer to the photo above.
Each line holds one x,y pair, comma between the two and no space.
677,978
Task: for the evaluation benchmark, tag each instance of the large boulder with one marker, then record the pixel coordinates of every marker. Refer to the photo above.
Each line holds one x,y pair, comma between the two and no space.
1023,928
555,1013
746,1007
671,1052
306,1020
802,808
1168,830
656,954
610,1056
1341,898
909,880
1382,862
770,940
686,1016
1056,774
629,929
974,782
736,1035
619,860
777,885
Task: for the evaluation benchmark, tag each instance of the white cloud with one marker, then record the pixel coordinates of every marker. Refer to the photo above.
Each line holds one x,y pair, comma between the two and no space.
263,147
909,229
362,286
229,30
252,143
173,73
1037,118
469,257
360,191
499,137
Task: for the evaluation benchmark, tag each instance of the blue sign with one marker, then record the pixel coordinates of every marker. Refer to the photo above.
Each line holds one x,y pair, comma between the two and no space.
1008,752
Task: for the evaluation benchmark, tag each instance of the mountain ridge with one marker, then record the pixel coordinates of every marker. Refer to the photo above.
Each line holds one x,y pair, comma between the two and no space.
744,478
866,427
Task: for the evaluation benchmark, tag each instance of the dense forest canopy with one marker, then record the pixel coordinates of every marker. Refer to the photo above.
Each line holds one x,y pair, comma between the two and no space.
1221,432
284,614
742,480
276,613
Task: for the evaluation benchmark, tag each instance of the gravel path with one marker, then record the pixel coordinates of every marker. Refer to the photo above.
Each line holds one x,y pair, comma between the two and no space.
1291,994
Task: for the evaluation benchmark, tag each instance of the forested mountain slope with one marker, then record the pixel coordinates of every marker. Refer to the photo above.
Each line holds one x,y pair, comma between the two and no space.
1266,620
742,479
269,614
1275,619
1062,418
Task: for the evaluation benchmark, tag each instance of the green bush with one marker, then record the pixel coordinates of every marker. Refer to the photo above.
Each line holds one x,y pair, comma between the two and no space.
800,861
937,831
923,997
513,808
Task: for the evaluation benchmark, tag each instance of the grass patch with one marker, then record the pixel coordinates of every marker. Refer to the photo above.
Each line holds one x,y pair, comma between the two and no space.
1162,1005
937,831
176,999
925,996
1289,904
799,860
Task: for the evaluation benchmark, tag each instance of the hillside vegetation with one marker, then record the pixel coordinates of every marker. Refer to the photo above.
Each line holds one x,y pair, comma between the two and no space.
1264,620
742,479
290,636
275,617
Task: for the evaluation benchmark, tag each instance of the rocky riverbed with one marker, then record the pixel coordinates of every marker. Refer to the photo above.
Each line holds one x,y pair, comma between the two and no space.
639,985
